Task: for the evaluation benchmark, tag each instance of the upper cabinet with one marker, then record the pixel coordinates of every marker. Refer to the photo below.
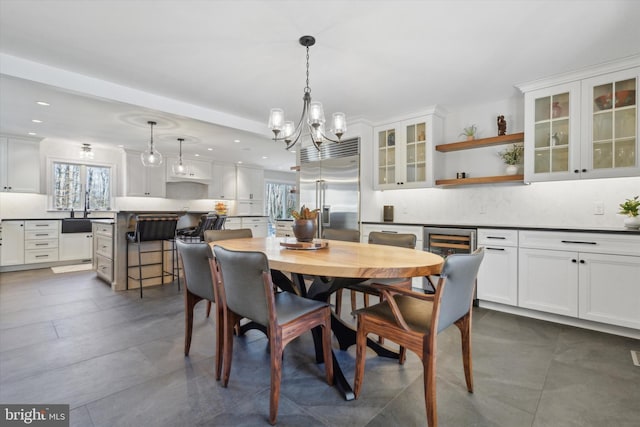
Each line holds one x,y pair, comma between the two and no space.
144,181
403,152
223,181
585,127
250,183
19,165
197,170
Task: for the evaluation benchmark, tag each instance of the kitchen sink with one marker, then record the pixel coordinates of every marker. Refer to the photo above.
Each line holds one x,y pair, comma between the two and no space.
76,225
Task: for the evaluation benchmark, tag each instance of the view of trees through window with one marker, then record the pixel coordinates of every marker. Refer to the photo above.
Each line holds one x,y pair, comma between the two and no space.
75,185
281,199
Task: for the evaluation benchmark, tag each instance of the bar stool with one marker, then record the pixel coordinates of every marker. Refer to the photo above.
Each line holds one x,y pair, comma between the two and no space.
150,228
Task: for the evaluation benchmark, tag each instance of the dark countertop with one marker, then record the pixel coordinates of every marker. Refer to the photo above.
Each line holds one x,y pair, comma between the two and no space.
523,227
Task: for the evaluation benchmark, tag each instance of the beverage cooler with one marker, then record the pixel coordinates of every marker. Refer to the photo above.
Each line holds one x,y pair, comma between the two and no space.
447,241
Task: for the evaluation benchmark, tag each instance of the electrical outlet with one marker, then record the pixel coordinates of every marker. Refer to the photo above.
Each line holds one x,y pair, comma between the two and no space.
598,208
483,208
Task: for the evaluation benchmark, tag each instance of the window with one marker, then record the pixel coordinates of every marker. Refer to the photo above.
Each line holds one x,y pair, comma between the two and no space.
77,187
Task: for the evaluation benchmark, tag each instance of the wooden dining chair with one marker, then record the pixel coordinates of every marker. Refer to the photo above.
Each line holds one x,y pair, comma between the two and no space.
345,235
199,279
245,289
413,320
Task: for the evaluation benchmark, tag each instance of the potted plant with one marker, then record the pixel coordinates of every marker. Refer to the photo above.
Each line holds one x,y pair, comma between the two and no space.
304,223
469,132
630,209
512,157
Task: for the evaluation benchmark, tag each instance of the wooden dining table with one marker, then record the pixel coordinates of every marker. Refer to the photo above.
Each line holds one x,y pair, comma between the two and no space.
332,267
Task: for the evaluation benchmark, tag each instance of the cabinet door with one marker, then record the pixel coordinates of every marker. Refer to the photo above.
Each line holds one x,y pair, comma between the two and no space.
12,243
258,226
498,275
76,246
548,281
387,174
610,125
20,161
250,183
144,181
609,290
416,171
155,182
552,133
223,181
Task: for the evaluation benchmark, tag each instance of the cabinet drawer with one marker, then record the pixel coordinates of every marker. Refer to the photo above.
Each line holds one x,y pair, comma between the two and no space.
52,225
40,255
41,234
103,229
497,237
104,267
600,243
104,246
41,244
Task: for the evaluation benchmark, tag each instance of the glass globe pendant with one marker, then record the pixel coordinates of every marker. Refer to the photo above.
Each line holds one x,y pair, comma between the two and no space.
179,168
151,157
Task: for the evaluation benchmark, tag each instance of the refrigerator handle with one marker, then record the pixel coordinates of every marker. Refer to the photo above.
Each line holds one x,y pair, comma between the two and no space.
318,195
326,215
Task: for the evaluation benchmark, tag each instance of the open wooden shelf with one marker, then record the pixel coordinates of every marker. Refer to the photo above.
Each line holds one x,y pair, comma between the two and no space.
481,180
484,142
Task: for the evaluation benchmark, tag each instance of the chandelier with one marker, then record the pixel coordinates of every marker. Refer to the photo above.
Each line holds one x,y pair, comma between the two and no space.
151,157
85,152
179,168
312,116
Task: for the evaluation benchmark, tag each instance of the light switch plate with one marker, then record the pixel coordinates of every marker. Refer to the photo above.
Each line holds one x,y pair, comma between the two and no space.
598,208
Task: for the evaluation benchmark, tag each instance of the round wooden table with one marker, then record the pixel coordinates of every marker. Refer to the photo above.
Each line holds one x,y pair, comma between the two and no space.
343,262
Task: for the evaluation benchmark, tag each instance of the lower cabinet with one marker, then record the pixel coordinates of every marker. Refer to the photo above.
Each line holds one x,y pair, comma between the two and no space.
76,246
498,275
103,251
12,243
41,241
259,226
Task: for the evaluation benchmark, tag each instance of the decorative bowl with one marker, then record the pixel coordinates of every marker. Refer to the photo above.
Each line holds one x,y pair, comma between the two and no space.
623,98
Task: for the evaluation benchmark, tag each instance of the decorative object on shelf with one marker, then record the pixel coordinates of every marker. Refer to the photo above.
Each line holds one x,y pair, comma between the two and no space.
179,168
461,175
630,209
512,157
623,98
85,152
502,126
151,157
312,114
469,132
556,110
305,224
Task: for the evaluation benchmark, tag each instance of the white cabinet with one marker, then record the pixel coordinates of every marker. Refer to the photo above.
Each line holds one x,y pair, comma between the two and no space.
223,181
19,165
76,246
103,250
591,276
498,275
403,155
249,207
284,228
233,223
41,241
250,183
258,225
197,170
585,128
144,181
12,243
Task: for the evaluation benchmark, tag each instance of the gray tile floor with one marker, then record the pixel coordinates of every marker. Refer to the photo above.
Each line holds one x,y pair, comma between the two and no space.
118,361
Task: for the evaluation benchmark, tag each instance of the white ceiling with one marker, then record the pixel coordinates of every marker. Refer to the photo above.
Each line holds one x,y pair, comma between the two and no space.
209,71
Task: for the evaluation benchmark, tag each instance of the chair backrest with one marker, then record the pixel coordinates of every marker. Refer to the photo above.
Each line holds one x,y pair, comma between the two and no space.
243,281
346,235
460,271
155,227
196,268
208,222
404,240
219,225
215,235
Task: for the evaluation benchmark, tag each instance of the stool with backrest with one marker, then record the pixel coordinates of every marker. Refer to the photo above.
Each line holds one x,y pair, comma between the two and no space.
413,320
199,278
219,224
245,289
150,228
345,235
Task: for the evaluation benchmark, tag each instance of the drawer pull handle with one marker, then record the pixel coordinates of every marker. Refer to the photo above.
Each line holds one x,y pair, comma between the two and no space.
496,237
41,234
578,242
495,249
42,244
42,256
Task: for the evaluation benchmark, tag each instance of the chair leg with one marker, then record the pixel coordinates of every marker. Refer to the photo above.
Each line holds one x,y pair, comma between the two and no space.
326,347
189,303
464,324
275,343
353,301
208,308
230,320
219,340
361,348
140,268
429,367
338,302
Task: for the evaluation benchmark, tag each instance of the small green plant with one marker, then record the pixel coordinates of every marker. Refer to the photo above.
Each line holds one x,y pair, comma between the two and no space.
305,213
513,155
630,207
469,131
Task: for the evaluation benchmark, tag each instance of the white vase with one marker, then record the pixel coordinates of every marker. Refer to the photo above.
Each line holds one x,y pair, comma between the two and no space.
511,170
632,222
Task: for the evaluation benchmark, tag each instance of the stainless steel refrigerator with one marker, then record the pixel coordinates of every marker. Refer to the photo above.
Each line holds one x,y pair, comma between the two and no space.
329,180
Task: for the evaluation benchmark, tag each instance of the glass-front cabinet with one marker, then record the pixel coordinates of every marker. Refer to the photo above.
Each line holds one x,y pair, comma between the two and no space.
583,129
402,153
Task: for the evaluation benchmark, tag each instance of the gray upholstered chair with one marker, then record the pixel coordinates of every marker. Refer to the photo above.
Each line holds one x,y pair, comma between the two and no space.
199,278
245,290
404,240
345,235
413,320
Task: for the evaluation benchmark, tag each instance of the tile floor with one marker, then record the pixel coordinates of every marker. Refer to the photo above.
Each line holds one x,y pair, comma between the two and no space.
118,361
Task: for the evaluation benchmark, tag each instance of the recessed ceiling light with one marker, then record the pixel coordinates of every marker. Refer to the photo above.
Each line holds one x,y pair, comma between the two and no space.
239,162
36,121
264,157
292,151
120,146
197,155
32,133
209,149
44,104
236,141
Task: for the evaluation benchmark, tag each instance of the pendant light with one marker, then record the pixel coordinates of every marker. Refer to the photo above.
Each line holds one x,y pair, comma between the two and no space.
151,157
179,168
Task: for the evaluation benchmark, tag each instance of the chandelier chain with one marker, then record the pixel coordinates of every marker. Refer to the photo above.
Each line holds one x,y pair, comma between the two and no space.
307,88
